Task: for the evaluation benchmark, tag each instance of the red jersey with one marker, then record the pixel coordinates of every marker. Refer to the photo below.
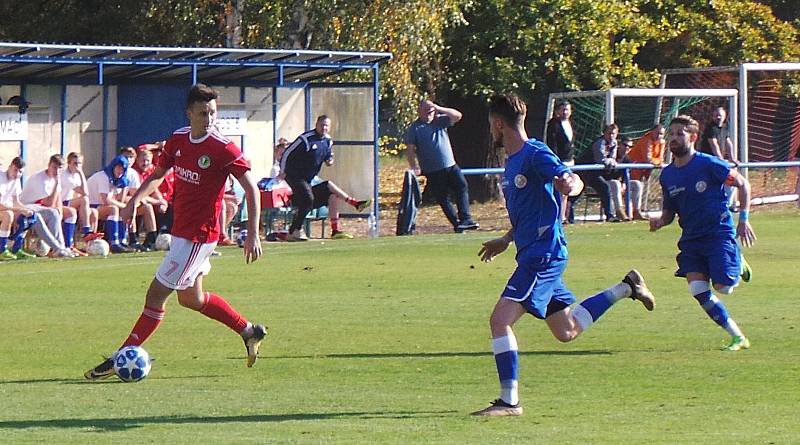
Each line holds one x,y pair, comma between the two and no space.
201,168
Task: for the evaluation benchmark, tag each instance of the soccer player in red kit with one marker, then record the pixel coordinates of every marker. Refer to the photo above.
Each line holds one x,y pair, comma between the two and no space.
202,159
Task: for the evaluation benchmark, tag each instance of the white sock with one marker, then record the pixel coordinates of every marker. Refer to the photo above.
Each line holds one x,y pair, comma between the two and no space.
619,291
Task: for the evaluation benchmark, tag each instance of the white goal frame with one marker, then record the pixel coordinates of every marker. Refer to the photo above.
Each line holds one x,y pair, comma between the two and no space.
743,69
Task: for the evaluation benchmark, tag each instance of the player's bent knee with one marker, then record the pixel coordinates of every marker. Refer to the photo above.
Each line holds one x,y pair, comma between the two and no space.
724,289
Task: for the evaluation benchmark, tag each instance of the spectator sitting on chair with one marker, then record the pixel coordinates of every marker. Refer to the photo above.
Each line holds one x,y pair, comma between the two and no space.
428,147
145,213
151,205
75,195
166,188
230,207
105,188
43,190
618,178
277,154
299,164
603,151
45,221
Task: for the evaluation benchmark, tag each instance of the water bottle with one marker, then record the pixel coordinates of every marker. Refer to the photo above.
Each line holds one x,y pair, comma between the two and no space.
242,237
372,226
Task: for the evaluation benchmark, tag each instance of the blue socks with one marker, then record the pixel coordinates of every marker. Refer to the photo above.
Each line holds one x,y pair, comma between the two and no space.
506,357
110,229
69,233
712,305
591,309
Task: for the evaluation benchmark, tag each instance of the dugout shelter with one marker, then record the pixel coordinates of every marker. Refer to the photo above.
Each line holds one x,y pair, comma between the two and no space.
95,99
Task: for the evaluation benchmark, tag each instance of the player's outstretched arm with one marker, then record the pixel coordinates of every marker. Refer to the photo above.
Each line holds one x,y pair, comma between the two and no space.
494,247
744,231
252,196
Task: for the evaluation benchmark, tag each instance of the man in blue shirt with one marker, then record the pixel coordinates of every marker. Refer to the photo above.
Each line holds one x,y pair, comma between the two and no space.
533,178
693,188
427,141
300,163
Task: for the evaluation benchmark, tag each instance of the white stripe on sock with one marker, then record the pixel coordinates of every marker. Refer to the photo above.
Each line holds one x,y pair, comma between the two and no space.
582,317
504,344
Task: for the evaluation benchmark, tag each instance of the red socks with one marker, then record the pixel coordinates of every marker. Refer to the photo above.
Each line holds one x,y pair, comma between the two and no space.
335,224
145,326
350,200
218,309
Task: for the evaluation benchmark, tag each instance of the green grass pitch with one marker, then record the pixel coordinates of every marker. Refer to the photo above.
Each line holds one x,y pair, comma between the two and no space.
387,341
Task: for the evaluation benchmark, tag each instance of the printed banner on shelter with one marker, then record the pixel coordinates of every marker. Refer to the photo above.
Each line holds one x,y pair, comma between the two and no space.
232,122
13,126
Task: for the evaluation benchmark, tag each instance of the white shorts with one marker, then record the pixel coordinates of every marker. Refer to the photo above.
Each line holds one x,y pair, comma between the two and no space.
184,262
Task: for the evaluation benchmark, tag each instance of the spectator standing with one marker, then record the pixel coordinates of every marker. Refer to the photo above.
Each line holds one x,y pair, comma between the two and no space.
561,138
429,153
716,141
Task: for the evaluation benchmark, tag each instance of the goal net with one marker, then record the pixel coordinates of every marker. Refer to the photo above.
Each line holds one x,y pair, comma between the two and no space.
769,120
638,110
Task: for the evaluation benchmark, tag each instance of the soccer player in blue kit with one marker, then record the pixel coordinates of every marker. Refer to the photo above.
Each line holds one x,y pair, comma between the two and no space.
533,178
693,188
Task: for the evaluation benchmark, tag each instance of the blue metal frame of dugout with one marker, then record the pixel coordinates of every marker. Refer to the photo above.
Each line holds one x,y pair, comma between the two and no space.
48,64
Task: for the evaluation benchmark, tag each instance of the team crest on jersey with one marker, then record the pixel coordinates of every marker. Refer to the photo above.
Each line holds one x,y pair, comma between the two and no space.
178,153
520,181
204,162
700,186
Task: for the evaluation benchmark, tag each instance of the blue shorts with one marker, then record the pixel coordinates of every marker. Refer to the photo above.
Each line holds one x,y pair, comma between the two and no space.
537,286
718,259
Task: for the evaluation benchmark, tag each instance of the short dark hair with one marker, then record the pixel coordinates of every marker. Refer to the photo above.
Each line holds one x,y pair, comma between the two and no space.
508,107
56,159
200,92
18,162
127,150
563,103
687,121
322,117
73,156
610,127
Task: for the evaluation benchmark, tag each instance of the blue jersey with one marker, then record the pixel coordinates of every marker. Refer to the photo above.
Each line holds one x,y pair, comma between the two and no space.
695,192
533,202
303,159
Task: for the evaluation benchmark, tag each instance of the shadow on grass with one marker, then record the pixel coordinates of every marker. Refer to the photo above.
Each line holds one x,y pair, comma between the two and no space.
122,424
82,381
441,354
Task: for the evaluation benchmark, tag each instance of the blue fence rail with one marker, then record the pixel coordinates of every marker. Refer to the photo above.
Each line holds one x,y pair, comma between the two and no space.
584,167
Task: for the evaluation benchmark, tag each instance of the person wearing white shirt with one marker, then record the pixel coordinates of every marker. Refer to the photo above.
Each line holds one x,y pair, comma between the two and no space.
75,195
41,219
43,190
104,190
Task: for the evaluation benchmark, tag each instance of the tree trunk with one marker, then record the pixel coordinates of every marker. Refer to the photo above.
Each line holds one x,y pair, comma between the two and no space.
297,34
233,23
472,146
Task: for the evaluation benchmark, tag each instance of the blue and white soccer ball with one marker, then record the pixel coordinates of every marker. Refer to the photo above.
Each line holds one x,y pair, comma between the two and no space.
132,363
